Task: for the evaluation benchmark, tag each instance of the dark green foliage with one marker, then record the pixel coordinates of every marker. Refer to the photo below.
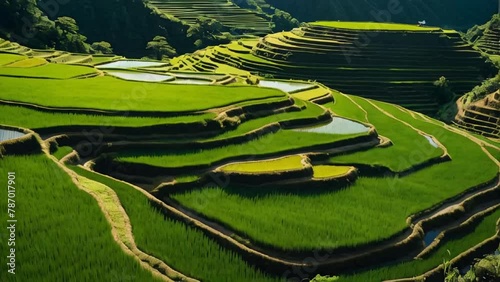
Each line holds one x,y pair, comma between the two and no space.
70,38
442,92
487,87
207,31
283,21
23,22
160,48
67,25
102,47
128,25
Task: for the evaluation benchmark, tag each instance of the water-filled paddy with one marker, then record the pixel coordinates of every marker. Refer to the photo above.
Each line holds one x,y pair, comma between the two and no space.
431,141
197,75
9,134
338,125
190,81
129,64
285,85
141,76
430,236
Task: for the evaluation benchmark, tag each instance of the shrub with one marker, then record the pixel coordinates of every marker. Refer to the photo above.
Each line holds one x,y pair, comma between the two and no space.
443,92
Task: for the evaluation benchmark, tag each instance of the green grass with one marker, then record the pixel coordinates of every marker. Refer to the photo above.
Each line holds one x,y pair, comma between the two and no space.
281,141
6,58
273,165
333,218
484,230
409,147
114,94
62,234
62,152
46,71
327,171
374,26
184,248
28,118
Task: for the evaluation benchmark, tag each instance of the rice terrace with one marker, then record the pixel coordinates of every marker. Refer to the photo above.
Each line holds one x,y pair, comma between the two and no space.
241,140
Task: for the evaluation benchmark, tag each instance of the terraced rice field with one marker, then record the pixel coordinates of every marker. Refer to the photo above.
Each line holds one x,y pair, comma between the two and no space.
233,181
54,56
489,40
482,116
389,62
328,171
281,164
224,11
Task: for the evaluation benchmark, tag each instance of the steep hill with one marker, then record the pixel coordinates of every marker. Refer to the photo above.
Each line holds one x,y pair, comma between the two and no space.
396,63
213,177
481,116
224,11
486,37
460,15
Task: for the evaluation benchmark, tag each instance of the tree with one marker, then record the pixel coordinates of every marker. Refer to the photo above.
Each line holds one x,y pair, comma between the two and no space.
161,48
70,39
67,25
102,47
207,31
442,92
205,28
283,21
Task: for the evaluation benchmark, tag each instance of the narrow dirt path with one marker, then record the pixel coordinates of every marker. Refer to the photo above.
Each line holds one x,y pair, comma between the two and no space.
121,228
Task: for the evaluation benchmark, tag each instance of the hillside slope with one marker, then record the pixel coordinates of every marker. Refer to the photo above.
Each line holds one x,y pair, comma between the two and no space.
389,62
223,178
486,37
226,12
460,15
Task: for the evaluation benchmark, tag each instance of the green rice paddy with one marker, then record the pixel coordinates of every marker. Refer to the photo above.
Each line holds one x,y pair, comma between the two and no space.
329,171
281,164
58,224
375,26
108,93
173,140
